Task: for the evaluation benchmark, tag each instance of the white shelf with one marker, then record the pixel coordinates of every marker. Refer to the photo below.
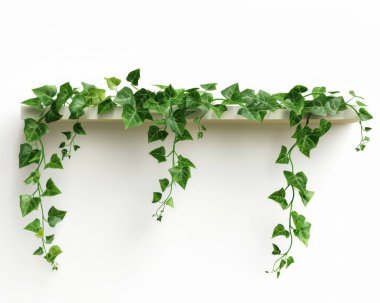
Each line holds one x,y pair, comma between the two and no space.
280,116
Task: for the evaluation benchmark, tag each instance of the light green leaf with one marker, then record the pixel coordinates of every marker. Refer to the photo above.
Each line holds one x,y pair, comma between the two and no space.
289,261
209,86
159,154
232,92
302,231
54,251
55,162
176,125
28,203
33,178
170,202
51,189
34,226
184,162
45,93
34,102
113,82
306,196
219,109
55,216
124,97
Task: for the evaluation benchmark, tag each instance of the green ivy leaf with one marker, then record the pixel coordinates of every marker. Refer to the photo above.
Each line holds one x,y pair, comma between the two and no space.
266,101
28,204
55,216
170,202
170,92
219,109
112,83
45,93
33,102
159,154
184,136
294,118
307,139
34,226
134,77
106,106
156,197
176,125
51,189
53,253
276,250
318,91
34,130
78,129
55,162
53,114
302,231
232,92
209,86
67,135
155,134
180,175
306,196
33,178
289,261
164,183
28,155
49,239
280,230
279,197
364,115
124,97
283,157
298,180
65,93
324,126
38,252
77,106
131,117
184,162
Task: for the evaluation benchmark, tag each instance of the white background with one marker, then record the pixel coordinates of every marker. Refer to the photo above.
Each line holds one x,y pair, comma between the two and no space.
215,245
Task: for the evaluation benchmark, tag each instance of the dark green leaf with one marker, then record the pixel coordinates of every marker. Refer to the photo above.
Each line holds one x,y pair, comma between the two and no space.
78,129
51,189
34,130
55,216
33,178
134,77
39,251
55,162
306,196
164,183
279,197
106,106
49,239
232,92
324,126
280,230
45,93
77,106
156,197
67,135
155,134
283,157
184,136
276,249
289,261
176,125
302,231
34,226
298,180
65,93
180,175
159,154
131,117
28,155
294,118
184,162
364,115
170,92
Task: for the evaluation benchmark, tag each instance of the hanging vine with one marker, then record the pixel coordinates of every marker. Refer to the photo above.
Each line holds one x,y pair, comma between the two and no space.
169,109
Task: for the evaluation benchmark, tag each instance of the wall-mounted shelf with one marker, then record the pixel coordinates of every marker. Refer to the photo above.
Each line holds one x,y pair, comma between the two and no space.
279,116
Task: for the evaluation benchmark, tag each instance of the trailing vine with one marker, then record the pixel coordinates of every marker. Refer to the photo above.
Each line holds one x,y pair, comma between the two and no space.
169,111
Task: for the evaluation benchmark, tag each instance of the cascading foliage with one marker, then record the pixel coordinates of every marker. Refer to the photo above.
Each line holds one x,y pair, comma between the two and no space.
169,109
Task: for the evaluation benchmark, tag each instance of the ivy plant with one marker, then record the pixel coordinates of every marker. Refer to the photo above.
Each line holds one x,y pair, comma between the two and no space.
168,111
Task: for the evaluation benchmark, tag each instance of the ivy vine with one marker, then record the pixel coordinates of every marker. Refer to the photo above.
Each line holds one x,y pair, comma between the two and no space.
169,110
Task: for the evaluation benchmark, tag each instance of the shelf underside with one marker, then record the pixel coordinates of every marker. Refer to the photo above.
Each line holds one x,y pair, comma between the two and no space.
280,116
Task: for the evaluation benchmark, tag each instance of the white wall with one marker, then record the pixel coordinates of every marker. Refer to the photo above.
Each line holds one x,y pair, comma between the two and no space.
215,245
